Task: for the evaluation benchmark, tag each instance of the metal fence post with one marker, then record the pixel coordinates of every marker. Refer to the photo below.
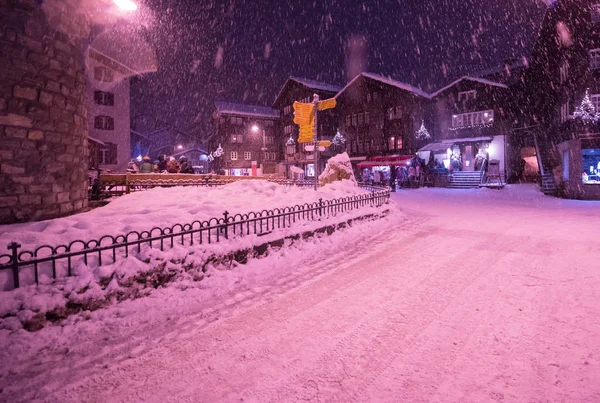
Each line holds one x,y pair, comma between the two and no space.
321,207
13,246
226,217
372,197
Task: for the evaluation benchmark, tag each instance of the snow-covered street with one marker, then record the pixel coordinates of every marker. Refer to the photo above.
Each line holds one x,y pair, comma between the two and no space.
472,296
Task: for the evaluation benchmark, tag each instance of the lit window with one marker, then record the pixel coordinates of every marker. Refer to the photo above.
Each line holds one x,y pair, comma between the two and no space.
290,150
361,119
471,119
269,139
237,138
234,155
247,155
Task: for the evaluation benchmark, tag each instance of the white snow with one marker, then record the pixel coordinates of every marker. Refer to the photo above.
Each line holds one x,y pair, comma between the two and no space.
389,81
475,296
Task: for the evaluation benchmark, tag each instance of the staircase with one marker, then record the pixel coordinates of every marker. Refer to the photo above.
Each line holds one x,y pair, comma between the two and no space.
548,184
547,160
465,179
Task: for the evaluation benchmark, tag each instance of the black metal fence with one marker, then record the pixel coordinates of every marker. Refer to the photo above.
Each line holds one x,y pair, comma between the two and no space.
59,261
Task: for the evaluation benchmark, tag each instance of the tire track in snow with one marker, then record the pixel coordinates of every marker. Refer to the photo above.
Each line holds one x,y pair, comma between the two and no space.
439,288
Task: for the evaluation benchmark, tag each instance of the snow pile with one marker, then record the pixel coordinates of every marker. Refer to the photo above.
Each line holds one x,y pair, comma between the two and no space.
339,168
164,207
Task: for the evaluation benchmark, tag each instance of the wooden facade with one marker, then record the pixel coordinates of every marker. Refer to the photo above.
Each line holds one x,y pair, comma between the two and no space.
379,116
302,90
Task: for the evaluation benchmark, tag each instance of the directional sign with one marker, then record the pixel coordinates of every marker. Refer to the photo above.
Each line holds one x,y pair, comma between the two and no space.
309,148
325,143
304,116
327,104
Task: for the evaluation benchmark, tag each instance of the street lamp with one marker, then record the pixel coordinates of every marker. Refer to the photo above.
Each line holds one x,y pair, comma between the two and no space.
180,147
126,5
255,129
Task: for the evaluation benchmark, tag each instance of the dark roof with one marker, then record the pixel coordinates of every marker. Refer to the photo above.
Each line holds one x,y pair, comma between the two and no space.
230,108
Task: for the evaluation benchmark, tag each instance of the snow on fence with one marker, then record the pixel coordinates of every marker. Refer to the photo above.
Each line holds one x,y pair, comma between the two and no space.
59,261
108,185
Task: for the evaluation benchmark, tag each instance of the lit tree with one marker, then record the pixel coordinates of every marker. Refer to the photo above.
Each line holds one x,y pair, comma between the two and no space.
338,139
586,111
422,133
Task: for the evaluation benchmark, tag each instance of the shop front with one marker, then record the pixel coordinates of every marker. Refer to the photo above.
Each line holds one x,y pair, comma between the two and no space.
378,170
579,172
464,154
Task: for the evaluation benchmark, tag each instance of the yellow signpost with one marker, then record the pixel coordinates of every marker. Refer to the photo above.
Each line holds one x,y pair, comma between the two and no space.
305,116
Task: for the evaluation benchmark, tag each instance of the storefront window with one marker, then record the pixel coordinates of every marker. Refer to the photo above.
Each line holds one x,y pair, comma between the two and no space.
310,170
590,154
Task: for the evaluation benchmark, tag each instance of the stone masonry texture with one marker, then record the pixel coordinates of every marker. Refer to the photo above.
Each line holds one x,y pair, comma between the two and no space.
43,115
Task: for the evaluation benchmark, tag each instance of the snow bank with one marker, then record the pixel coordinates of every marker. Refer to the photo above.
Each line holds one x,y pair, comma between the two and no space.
164,207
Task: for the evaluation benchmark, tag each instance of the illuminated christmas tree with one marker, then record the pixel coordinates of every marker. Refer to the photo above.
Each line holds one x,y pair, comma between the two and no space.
422,133
586,111
339,139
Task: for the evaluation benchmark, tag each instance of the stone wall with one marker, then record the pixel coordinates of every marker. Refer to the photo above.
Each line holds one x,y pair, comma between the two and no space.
43,115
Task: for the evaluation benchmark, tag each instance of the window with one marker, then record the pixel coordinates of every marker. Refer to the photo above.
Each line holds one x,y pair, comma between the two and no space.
354,120
368,98
596,101
354,147
103,74
107,154
104,123
564,71
367,118
266,156
288,109
467,95
268,123
392,143
236,138
288,129
595,59
247,155
273,156
368,145
361,119
348,120
565,163
104,98
590,158
596,12
234,155
564,112
269,139
399,143
375,96
236,121
361,145
290,150
390,114
481,118
398,112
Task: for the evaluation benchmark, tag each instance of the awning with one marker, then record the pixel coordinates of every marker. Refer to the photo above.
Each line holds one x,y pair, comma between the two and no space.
435,147
395,160
95,140
467,140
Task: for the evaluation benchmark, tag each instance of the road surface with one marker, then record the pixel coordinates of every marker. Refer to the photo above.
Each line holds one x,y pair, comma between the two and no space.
477,297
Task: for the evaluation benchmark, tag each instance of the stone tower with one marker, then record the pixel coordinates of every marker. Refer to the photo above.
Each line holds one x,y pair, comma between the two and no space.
43,115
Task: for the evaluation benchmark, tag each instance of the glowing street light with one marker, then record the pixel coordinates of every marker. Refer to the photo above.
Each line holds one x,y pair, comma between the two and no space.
180,147
255,129
126,5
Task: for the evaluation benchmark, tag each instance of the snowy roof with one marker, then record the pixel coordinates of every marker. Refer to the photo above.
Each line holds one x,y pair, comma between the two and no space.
308,83
95,140
230,108
388,81
477,79
500,68
467,140
316,85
